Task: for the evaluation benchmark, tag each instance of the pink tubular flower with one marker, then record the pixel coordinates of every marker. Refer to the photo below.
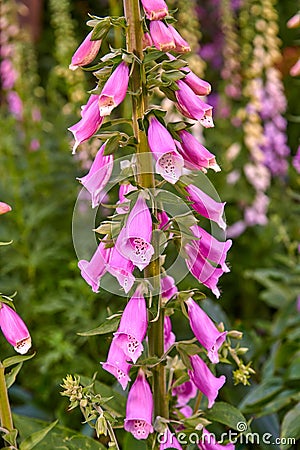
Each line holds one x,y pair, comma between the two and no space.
294,22
192,106
169,336
181,46
161,36
295,69
135,242
147,41
206,206
92,271
155,9
86,52
4,208
205,381
114,90
139,408
14,329
133,327
168,288
199,86
196,156
168,440
117,365
98,176
169,163
121,267
89,123
123,201
205,330
208,442
184,392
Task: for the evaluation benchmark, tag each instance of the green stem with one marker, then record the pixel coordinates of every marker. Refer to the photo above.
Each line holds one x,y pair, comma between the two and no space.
5,411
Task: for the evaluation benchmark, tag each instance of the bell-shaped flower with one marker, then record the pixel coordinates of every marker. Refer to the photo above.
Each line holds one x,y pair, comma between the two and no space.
135,242
199,86
208,442
117,365
184,392
169,336
206,206
121,267
168,288
133,327
169,163
181,46
192,106
4,208
205,330
155,9
168,440
210,247
205,380
123,201
161,36
93,270
147,41
98,176
14,329
139,408
89,123
114,90
86,52
195,155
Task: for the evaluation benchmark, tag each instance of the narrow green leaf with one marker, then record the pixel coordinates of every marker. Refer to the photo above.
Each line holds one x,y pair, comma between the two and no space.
109,326
101,29
290,427
112,145
35,438
11,376
16,359
228,415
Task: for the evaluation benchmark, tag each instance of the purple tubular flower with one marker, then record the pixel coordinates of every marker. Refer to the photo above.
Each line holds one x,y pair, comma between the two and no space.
89,123
86,52
169,163
139,408
208,442
205,330
92,271
161,36
192,106
205,380
114,90
133,327
206,206
117,365
121,267
135,242
199,86
181,46
14,329
196,156
168,288
4,208
98,176
168,440
155,9
169,336
123,201
184,392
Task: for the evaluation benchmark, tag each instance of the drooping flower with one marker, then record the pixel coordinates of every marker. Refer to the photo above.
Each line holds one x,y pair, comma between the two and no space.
294,21
206,206
161,36
114,90
199,86
205,330
117,365
14,329
121,267
208,442
181,46
93,270
123,201
155,9
196,156
168,288
139,408
192,106
184,392
169,336
98,176
169,163
168,440
135,242
133,327
205,380
89,123
86,52
4,208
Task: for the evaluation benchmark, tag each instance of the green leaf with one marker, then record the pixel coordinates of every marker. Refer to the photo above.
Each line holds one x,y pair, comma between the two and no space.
174,64
172,75
11,376
112,145
35,438
261,394
227,415
189,349
11,437
130,443
168,93
293,372
280,401
109,326
101,29
16,359
290,427
116,405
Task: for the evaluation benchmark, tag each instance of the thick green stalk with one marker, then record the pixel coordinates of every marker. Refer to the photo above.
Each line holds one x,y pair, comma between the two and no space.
146,180
5,412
